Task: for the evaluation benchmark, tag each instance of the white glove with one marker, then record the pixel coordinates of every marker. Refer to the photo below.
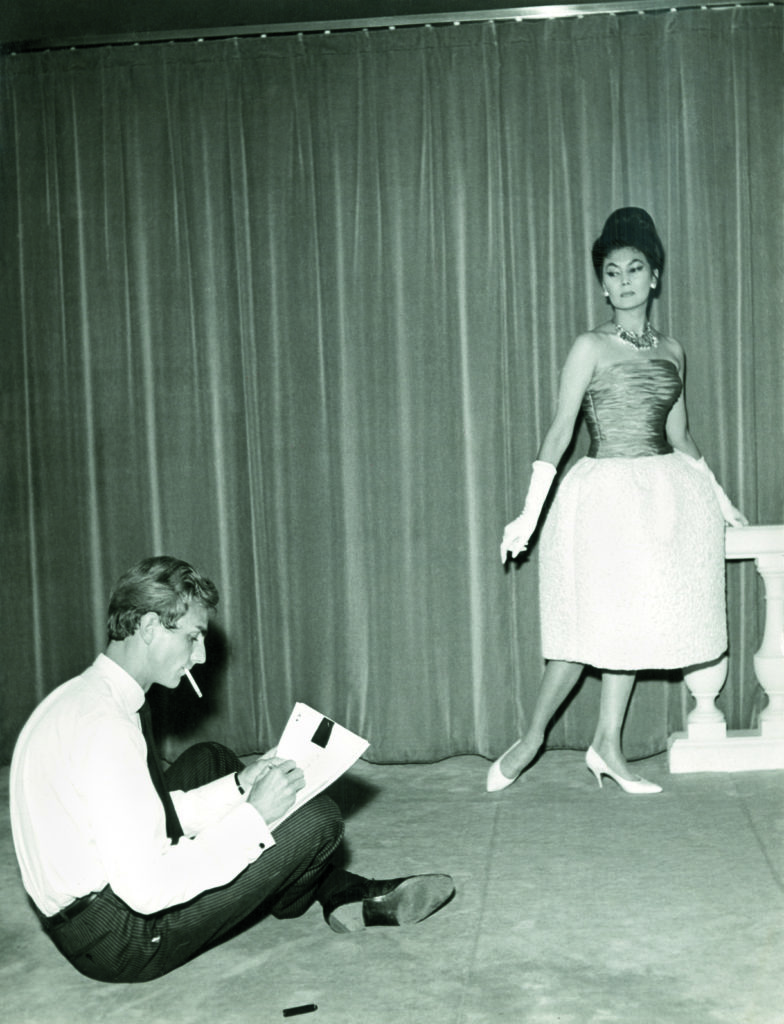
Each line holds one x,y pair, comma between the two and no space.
731,515
518,532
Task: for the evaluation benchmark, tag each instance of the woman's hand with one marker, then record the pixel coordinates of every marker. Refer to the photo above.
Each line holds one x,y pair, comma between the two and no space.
732,517
516,535
518,532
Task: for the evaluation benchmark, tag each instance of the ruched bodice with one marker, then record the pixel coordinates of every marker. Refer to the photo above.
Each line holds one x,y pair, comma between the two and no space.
626,407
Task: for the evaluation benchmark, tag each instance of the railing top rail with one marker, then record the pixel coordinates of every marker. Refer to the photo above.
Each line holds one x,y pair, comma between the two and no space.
754,541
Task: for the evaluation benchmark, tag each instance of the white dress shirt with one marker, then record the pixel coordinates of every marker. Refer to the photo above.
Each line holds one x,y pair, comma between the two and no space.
85,812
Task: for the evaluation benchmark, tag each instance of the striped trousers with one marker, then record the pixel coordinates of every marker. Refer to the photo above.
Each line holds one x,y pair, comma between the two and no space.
108,941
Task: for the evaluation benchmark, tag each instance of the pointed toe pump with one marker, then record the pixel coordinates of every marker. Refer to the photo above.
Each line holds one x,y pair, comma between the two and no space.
496,780
599,767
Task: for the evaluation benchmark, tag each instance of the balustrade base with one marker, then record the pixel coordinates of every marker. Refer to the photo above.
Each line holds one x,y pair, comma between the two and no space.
738,751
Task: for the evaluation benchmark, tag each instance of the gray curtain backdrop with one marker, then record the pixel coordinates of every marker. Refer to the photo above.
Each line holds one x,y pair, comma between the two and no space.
294,309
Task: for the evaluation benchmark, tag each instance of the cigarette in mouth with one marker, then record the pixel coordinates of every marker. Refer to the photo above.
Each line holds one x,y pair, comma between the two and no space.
192,681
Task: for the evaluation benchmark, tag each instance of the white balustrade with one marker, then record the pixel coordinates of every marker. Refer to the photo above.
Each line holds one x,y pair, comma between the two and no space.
707,746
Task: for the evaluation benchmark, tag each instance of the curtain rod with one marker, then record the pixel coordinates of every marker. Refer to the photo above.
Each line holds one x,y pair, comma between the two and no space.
528,13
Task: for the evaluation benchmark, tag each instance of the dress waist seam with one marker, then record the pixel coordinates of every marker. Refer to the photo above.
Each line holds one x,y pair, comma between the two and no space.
629,455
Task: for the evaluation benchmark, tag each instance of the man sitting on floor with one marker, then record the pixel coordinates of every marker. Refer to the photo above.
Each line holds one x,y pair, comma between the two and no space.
133,874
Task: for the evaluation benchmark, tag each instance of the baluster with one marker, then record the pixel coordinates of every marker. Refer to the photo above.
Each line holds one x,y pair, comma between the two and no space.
707,745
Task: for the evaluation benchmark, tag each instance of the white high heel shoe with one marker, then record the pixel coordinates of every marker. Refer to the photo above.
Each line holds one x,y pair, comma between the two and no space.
496,780
598,767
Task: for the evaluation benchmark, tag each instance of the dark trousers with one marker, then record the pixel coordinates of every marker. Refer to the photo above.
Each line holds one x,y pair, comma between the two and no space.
110,942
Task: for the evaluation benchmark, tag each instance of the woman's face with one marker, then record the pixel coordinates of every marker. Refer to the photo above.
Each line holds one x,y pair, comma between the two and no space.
627,278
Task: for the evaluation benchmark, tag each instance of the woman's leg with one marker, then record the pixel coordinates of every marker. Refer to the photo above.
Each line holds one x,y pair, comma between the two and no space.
558,681
616,691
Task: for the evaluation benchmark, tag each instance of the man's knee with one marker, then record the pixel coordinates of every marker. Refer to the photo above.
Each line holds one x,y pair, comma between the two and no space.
202,763
328,817
316,826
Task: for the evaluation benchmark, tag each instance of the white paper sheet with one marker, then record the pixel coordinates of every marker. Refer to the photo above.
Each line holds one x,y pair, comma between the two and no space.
323,750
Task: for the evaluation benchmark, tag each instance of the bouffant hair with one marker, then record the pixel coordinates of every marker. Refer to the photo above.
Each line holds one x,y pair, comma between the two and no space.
629,227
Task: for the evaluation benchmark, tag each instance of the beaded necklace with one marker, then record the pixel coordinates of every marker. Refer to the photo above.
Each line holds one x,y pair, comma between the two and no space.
646,339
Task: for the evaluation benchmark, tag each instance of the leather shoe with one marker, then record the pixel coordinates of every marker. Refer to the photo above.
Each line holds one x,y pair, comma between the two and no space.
391,901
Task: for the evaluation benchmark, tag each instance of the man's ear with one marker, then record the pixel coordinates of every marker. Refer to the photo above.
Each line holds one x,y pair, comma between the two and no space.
148,624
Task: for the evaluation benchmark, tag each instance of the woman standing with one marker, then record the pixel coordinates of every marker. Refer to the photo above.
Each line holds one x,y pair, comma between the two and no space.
632,550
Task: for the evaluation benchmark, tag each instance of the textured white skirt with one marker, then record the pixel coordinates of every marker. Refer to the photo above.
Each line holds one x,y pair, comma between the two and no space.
631,566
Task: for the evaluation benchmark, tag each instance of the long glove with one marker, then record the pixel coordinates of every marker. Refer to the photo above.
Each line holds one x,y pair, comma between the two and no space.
518,532
731,515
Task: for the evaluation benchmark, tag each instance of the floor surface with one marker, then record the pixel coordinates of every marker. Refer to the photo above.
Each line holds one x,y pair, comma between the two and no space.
575,905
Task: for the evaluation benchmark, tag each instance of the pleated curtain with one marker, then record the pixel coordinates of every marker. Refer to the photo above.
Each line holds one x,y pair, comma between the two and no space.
294,308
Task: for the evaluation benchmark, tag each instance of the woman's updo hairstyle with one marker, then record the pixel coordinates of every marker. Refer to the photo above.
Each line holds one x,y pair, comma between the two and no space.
629,227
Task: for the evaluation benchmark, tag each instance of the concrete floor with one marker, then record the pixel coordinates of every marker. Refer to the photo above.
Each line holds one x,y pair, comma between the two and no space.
575,905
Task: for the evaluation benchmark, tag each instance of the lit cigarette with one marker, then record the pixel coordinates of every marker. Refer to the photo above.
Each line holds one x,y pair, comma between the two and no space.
192,681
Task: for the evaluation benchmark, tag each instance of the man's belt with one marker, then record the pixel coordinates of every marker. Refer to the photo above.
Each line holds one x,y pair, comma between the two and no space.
69,913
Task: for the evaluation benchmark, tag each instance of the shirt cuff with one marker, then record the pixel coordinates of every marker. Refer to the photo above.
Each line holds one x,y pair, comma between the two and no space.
265,837
243,829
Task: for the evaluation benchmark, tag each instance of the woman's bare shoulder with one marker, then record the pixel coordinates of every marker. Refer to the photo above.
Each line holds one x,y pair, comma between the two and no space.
596,344
671,348
590,342
583,358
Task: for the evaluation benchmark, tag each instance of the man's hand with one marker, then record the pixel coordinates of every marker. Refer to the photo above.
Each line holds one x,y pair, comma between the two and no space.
275,786
256,768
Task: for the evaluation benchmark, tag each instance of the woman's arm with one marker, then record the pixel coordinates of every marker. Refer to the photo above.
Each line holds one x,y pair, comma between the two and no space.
679,436
576,375
677,428
677,425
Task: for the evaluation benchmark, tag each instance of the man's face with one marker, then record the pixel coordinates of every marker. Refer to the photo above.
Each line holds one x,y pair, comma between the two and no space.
172,651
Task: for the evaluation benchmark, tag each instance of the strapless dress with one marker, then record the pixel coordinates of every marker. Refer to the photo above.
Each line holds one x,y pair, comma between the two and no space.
631,554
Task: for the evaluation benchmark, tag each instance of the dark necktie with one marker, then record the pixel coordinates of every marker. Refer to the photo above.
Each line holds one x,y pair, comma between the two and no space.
173,827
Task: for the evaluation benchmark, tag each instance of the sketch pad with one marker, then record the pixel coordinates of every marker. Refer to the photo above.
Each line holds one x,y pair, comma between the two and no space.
323,750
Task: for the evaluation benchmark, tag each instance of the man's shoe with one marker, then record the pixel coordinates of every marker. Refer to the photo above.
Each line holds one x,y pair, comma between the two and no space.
391,901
